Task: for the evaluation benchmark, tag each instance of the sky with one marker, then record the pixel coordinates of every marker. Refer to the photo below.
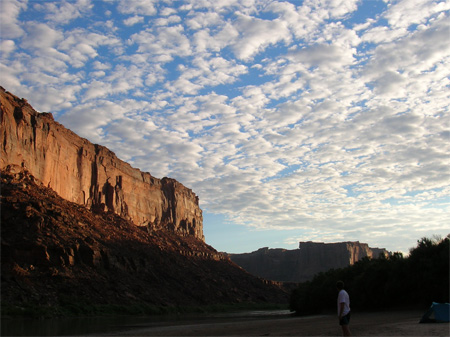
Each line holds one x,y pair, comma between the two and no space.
292,120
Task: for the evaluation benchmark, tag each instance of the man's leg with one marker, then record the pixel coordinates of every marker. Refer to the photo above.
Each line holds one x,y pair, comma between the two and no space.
346,330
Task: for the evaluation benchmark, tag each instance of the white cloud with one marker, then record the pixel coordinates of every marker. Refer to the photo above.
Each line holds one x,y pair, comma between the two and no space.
297,20
323,55
403,14
257,34
10,78
220,6
167,11
118,80
382,34
331,8
7,46
87,120
304,20
63,12
101,66
40,36
10,26
395,66
141,7
207,41
81,44
167,21
203,20
164,44
211,72
133,20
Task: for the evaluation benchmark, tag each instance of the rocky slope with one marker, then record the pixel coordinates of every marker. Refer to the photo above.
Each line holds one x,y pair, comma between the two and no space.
302,264
90,174
58,254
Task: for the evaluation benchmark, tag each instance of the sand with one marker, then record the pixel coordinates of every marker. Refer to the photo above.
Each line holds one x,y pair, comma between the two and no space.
390,323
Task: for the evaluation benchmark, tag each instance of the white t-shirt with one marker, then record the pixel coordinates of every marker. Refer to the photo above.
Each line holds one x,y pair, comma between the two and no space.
343,298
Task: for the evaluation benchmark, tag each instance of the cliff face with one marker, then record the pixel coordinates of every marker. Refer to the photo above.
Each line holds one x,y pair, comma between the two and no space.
90,174
302,264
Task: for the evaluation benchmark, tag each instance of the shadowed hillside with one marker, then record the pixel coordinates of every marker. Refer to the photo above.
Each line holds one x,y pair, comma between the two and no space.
57,255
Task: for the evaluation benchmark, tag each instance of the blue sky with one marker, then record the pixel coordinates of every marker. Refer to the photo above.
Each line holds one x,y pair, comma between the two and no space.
291,120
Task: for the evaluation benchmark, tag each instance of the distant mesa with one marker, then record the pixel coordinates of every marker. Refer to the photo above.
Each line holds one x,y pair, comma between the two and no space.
302,264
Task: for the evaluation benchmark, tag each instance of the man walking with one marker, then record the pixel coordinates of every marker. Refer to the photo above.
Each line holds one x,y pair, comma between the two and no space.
343,303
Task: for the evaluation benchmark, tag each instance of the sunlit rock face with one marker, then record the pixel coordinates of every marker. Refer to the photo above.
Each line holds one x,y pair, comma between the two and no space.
299,265
90,174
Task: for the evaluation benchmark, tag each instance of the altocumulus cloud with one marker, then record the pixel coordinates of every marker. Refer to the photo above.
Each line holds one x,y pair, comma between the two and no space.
313,120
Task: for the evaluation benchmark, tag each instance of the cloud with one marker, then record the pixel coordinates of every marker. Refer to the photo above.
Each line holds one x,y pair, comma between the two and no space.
203,20
141,7
222,6
41,37
163,44
323,55
214,41
118,80
10,78
208,72
421,48
7,46
63,12
133,20
10,26
256,34
391,71
81,45
403,14
87,120
332,8
167,21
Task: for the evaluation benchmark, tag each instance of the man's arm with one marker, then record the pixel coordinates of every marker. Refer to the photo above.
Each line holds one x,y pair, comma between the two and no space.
341,309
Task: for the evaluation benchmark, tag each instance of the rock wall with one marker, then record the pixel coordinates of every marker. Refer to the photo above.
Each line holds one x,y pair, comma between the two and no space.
90,174
302,264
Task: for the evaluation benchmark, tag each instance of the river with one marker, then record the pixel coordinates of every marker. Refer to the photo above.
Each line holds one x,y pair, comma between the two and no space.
113,324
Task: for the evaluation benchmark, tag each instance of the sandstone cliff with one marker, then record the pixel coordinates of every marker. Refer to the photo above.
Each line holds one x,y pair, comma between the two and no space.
90,174
302,264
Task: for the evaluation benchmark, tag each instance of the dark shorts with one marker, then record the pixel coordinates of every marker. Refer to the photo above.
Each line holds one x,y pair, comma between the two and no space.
345,320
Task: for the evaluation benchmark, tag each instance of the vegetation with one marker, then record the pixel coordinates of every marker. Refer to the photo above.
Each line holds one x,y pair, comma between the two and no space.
374,284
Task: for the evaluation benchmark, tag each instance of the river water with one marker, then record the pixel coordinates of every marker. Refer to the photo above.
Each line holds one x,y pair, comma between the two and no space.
112,324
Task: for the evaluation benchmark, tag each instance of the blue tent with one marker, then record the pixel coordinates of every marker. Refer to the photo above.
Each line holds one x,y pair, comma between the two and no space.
438,313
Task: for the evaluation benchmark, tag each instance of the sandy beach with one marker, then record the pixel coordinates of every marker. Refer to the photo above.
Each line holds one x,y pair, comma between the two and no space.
389,323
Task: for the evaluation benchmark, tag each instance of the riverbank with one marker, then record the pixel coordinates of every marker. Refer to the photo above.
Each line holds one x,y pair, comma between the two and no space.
238,323
390,323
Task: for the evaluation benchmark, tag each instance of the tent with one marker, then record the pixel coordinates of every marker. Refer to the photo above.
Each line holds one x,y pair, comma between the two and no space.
438,313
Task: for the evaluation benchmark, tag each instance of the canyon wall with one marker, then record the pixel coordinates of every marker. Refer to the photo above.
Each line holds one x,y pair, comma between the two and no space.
302,264
90,174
